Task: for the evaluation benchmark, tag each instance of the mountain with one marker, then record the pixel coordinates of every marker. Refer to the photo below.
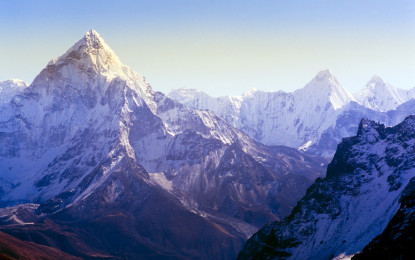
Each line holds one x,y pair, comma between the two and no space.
367,180
381,96
347,123
313,119
278,118
10,88
101,165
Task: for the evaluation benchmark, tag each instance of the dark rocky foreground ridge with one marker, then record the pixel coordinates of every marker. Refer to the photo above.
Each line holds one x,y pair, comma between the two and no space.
367,196
97,164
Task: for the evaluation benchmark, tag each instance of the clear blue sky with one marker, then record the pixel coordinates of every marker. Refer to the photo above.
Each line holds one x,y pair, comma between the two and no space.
222,47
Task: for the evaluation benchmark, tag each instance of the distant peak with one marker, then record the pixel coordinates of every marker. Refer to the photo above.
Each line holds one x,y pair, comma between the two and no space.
186,93
324,74
14,82
377,79
10,88
250,92
325,86
377,83
325,79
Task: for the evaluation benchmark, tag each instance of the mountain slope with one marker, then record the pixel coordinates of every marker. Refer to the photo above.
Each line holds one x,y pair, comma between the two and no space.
13,248
128,218
343,212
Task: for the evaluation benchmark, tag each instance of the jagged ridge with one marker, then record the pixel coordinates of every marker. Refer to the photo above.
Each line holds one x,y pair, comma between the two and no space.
343,212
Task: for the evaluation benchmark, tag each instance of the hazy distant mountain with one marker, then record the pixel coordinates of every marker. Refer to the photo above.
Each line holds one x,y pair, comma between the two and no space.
381,96
10,88
278,118
313,119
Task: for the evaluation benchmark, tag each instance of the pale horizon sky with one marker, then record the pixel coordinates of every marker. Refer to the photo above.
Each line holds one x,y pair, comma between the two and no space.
221,47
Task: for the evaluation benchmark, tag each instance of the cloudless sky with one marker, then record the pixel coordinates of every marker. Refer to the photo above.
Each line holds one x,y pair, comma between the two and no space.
221,47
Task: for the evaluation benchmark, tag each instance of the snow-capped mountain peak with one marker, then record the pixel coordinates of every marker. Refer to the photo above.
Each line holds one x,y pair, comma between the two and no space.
382,96
325,74
10,88
325,85
187,94
377,80
92,45
14,83
91,66
250,92
93,37
378,84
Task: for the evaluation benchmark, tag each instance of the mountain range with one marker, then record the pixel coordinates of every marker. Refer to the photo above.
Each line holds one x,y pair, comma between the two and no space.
92,151
95,163
313,119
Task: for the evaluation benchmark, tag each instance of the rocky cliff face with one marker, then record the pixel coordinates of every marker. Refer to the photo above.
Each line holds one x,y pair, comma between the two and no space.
343,212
